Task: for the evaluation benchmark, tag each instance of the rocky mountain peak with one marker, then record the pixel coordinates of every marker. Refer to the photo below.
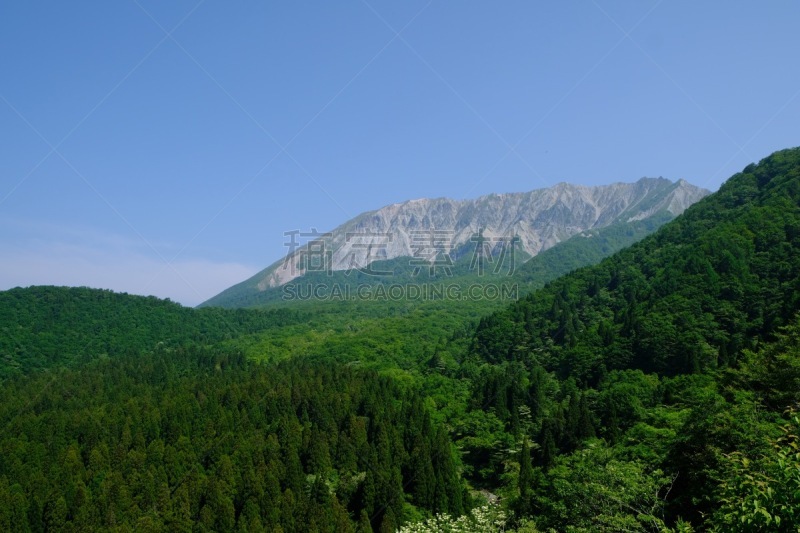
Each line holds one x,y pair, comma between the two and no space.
536,219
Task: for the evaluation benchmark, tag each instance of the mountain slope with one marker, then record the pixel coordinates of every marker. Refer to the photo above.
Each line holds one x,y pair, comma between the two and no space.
655,381
583,249
432,230
43,327
716,280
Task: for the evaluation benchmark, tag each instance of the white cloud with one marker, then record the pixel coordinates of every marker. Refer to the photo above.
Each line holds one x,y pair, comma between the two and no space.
112,262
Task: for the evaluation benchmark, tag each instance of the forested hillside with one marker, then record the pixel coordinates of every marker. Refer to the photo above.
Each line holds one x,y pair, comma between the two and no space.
650,389
720,278
44,327
194,439
655,391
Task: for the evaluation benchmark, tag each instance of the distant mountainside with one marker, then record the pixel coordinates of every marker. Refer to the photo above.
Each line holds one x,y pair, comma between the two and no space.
428,230
586,248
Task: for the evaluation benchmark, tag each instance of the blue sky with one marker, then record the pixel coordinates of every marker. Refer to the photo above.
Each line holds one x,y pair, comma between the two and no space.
165,147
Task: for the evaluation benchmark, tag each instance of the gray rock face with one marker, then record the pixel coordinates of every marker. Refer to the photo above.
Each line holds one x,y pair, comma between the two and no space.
422,228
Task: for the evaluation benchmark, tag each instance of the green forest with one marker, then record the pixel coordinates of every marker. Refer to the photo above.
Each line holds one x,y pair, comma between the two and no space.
635,386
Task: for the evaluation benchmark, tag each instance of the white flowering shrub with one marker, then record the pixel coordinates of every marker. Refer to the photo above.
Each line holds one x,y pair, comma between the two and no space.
486,519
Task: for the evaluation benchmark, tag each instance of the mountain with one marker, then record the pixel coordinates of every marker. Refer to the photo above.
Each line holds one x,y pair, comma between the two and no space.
514,280
437,232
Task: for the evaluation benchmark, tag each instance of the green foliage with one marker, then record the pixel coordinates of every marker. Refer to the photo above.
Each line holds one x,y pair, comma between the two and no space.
759,484
763,493
773,371
593,490
196,437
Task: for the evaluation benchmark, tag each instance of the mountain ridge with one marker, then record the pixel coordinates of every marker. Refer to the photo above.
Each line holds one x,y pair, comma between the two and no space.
429,230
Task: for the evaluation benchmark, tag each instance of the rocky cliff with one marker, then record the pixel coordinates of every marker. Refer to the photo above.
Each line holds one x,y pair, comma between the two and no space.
426,229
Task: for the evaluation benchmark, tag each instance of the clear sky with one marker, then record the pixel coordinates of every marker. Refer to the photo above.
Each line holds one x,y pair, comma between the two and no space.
165,147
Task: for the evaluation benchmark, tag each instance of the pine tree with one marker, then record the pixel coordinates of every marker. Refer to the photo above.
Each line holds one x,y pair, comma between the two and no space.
548,445
388,523
585,429
525,480
363,523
